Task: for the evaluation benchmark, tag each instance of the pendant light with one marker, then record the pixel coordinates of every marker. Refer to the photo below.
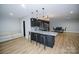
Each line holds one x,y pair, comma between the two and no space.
43,12
32,14
37,14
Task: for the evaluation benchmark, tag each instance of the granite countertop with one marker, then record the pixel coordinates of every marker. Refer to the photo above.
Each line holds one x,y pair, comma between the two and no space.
45,32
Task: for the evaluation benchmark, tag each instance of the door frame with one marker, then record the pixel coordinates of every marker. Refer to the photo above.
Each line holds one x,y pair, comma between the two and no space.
24,32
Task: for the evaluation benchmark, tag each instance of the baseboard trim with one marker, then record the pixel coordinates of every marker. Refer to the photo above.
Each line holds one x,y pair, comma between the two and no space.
10,37
71,32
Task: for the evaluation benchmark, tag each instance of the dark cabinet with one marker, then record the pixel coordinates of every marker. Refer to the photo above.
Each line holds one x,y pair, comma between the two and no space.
47,40
34,22
50,40
33,36
43,25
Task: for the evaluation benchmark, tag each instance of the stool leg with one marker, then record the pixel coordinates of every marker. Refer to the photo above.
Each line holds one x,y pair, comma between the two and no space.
36,39
39,40
44,43
30,37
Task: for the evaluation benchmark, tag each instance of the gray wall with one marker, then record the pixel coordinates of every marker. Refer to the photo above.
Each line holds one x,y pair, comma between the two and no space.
72,24
10,25
10,29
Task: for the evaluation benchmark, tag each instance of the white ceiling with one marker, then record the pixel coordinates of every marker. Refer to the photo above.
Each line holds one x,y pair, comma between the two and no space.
18,11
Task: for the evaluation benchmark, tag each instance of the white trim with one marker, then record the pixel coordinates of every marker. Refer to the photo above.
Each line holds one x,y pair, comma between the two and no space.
72,31
10,37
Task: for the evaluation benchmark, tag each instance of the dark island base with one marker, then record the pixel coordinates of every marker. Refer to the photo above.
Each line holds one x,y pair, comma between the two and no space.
46,40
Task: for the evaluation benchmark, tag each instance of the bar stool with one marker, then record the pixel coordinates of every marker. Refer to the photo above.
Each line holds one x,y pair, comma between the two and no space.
44,39
34,36
37,38
30,35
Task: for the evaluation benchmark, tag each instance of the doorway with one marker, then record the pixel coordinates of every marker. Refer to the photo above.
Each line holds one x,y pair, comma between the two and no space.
24,34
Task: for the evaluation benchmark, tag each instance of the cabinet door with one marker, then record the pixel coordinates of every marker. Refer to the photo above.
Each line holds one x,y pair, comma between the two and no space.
46,26
38,37
33,36
33,22
50,41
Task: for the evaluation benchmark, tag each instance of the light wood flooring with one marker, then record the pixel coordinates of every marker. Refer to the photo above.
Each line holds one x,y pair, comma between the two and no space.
65,43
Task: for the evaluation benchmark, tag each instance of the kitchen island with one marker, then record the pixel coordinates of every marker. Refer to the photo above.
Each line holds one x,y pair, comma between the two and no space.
43,37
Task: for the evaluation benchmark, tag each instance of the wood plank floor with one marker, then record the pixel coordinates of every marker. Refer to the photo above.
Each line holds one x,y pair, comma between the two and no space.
65,43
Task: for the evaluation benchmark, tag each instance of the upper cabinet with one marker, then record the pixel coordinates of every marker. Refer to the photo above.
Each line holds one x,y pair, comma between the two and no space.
42,24
33,22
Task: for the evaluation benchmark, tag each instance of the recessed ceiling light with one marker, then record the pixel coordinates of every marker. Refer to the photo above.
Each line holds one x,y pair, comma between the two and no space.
11,14
71,12
23,5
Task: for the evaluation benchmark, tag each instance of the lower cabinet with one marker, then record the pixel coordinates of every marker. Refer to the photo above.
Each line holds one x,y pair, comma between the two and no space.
33,37
47,40
50,40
